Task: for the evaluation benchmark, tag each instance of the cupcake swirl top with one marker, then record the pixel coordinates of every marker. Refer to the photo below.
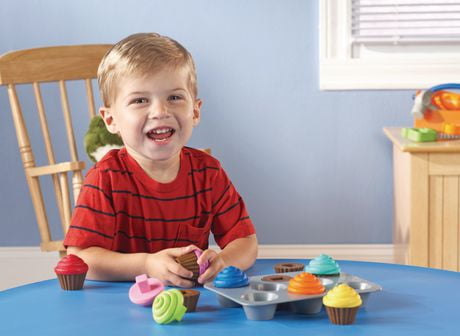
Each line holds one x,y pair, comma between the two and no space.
305,283
323,265
71,264
231,277
342,296
168,307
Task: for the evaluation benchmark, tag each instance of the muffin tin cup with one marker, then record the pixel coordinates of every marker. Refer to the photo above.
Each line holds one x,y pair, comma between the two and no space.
261,298
227,303
363,288
260,313
311,306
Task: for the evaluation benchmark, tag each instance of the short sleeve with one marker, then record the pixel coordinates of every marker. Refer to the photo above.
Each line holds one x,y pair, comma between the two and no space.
230,216
94,220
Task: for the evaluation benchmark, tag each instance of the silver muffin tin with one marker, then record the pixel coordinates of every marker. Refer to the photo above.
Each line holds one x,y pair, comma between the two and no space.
260,299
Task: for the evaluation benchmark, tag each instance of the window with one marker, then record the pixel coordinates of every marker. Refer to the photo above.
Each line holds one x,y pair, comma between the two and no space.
384,44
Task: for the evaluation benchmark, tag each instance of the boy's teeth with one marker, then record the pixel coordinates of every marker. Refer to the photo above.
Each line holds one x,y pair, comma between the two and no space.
163,130
160,134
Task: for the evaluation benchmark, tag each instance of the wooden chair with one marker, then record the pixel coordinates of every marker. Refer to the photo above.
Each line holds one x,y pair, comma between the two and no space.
34,67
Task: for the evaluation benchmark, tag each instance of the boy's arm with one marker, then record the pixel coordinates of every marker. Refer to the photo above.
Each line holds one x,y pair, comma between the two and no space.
109,265
241,253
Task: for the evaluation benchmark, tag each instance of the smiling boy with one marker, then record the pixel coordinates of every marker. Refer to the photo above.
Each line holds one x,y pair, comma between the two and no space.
144,205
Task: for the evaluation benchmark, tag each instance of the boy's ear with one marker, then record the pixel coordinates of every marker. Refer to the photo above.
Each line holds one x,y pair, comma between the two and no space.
109,121
197,111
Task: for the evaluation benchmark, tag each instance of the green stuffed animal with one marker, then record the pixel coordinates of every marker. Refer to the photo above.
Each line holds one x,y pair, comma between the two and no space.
98,140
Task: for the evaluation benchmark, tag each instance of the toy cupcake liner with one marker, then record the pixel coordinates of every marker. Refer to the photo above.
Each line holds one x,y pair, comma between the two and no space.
71,281
276,278
288,267
188,261
342,316
191,297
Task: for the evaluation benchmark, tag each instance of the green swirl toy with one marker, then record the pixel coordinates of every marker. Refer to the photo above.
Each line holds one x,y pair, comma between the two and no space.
168,307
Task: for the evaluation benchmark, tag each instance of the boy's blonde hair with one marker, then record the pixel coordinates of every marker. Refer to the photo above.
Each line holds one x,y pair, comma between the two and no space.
140,54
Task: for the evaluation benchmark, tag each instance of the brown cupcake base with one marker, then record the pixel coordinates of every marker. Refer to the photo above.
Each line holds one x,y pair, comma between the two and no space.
71,281
191,297
288,267
342,316
188,261
276,278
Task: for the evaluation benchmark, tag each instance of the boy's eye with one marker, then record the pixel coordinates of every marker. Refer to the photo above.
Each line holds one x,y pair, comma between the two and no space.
139,101
174,97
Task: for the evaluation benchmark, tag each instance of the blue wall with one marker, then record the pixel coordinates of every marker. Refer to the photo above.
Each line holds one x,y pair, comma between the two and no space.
313,167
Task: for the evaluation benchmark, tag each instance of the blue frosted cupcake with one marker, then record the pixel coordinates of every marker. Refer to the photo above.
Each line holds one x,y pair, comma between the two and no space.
323,265
231,277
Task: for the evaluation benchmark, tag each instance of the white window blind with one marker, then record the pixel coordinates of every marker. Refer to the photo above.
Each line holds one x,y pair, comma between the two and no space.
389,44
405,21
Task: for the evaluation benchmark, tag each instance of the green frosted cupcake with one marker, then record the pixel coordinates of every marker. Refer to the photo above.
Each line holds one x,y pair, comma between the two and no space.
323,265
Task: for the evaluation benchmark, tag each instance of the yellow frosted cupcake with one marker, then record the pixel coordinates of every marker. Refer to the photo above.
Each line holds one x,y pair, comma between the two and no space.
342,303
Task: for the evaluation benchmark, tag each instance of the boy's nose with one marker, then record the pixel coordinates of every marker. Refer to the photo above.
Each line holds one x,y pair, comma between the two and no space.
158,110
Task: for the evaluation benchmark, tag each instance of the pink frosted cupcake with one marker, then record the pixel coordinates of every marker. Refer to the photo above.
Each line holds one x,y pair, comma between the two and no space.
71,272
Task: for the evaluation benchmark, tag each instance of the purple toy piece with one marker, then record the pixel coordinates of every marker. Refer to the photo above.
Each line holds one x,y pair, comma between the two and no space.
203,267
144,291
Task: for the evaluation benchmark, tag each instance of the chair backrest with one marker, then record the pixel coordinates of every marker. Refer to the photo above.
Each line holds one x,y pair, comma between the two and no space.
52,64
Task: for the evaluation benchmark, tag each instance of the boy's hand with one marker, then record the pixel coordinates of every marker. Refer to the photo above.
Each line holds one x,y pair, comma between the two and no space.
163,266
216,264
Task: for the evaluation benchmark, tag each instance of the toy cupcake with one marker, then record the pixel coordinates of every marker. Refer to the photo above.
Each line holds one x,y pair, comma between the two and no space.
305,283
168,307
342,303
71,272
189,261
323,265
191,297
288,267
231,277
144,291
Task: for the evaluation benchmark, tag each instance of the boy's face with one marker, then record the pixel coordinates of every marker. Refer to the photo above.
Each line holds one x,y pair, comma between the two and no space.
154,114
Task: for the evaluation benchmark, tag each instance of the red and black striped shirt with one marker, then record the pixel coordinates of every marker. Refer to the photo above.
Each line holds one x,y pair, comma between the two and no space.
122,209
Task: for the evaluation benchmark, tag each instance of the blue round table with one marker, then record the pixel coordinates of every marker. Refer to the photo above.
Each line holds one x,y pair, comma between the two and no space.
414,301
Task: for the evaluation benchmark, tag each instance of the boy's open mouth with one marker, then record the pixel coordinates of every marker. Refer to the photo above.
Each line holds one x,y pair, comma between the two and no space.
160,134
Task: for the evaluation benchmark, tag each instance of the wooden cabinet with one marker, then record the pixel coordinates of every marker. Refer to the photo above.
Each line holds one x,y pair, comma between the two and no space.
426,197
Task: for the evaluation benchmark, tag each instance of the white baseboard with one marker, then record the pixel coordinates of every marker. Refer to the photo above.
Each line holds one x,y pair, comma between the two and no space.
358,252
22,265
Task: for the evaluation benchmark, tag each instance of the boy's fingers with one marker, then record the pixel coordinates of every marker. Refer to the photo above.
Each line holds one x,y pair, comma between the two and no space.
208,274
178,251
176,280
205,276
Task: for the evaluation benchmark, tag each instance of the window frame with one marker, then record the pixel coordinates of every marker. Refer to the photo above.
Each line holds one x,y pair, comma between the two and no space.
339,71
